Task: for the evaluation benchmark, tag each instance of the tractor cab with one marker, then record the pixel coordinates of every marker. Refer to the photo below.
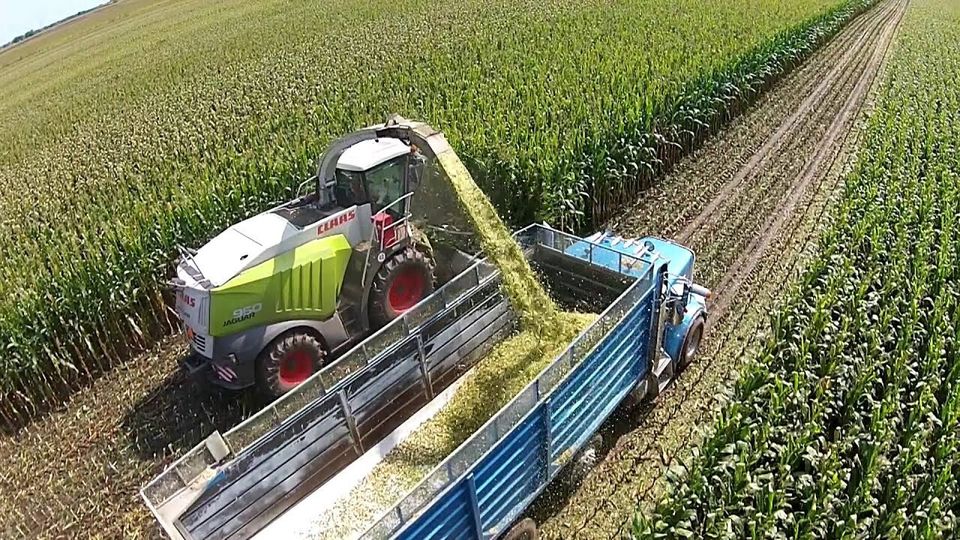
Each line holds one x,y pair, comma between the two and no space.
383,173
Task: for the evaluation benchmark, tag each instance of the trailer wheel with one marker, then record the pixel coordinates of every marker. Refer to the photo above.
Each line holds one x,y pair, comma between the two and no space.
402,281
288,361
525,529
691,344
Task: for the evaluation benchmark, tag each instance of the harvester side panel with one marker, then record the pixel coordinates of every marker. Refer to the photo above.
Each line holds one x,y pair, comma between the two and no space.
303,283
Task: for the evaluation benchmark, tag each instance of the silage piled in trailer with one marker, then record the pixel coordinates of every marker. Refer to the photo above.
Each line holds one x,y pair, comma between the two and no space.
496,379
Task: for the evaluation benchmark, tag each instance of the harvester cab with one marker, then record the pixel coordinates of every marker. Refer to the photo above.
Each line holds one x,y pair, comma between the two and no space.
272,299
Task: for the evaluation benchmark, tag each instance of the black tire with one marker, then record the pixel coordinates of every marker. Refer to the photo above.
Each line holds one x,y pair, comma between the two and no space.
691,344
525,529
402,281
288,361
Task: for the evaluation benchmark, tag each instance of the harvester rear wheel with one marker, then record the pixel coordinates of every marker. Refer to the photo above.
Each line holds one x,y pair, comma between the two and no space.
288,361
402,281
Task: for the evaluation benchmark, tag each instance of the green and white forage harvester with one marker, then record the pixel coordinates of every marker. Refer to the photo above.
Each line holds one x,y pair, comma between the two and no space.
271,299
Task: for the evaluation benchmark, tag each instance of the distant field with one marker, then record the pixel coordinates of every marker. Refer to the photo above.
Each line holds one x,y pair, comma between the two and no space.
145,124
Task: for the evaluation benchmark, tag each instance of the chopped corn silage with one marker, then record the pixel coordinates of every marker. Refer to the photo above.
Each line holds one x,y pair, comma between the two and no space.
532,303
495,380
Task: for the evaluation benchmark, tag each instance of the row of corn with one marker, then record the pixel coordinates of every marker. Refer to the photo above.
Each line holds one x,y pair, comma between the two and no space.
847,425
167,123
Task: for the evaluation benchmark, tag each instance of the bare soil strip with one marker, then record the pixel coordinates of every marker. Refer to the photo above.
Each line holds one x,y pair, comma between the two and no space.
735,186
766,185
814,170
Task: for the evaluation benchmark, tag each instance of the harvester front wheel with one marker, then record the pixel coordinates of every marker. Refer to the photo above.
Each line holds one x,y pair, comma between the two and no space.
288,361
402,281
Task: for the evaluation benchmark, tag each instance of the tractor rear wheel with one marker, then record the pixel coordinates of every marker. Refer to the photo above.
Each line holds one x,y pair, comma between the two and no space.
402,281
288,361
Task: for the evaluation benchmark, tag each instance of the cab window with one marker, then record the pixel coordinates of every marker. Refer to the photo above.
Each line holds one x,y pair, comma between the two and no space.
385,183
349,188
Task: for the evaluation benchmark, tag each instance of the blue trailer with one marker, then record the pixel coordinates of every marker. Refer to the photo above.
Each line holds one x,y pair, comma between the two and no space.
637,346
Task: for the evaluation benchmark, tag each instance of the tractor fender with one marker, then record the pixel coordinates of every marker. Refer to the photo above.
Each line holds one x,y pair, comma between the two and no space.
673,335
247,345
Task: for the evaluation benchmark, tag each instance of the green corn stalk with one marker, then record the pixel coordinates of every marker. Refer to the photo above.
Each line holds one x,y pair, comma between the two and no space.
847,418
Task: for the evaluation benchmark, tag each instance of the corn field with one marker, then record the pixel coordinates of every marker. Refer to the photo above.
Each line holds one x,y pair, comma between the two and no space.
145,125
846,424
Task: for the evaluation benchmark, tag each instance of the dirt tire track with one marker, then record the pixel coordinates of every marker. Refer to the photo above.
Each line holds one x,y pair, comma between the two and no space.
735,185
599,509
667,207
826,153
727,236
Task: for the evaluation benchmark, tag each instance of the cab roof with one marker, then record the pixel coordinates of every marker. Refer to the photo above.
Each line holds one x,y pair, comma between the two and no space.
366,155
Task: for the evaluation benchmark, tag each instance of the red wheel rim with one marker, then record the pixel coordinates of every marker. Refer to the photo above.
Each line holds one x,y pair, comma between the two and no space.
406,290
295,368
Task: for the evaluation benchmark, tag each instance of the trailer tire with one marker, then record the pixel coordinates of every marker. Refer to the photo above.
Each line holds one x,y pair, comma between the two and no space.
289,360
525,529
402,281
691,344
